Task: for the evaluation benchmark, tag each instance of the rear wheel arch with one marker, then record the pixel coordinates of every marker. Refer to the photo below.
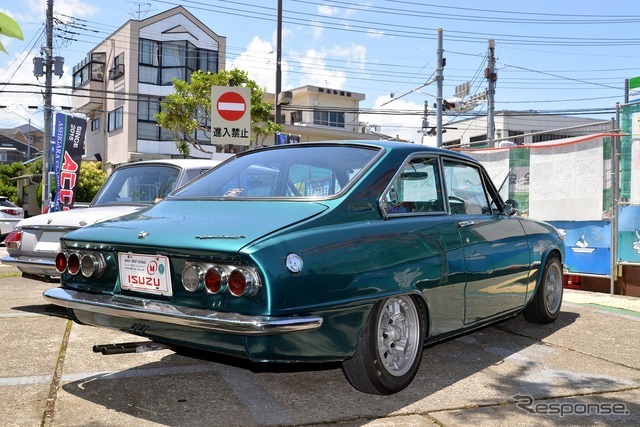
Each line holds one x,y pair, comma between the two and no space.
551,253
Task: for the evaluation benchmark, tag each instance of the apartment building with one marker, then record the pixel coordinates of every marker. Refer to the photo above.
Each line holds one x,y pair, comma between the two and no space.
314,113
120,84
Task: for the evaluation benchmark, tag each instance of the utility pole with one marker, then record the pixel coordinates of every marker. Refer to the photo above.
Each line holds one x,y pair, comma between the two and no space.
491,75
278,63
48,69
439,85
615,195
29,142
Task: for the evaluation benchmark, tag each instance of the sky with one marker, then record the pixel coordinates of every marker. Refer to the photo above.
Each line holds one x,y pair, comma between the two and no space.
563,57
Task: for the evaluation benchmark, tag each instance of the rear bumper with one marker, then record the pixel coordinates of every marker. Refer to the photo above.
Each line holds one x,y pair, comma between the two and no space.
36,266
143,309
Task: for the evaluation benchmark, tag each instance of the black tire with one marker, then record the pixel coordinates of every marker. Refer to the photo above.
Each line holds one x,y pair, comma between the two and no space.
545,305
389,352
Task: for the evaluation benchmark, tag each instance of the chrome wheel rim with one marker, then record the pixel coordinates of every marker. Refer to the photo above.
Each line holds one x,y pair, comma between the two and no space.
553,288
398,335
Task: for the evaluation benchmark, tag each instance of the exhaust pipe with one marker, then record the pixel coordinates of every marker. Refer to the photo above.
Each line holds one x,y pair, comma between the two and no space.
128,347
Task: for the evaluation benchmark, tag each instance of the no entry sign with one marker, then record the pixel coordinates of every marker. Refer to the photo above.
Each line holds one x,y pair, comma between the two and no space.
230,115
231,106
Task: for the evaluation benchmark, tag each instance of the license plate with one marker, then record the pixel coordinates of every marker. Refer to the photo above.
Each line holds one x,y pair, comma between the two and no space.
49,241
145,273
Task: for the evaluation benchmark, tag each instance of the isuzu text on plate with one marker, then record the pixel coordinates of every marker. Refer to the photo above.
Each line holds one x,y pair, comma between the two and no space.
145,273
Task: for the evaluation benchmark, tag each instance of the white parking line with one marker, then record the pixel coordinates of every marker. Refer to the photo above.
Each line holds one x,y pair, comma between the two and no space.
30,380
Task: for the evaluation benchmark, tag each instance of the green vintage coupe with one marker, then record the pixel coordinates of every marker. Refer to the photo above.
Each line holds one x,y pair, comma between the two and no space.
360,252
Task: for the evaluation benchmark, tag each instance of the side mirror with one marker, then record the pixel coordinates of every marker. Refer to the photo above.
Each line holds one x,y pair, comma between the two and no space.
511,207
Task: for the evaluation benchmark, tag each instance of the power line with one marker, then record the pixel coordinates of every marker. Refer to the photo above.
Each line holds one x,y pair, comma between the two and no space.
390,73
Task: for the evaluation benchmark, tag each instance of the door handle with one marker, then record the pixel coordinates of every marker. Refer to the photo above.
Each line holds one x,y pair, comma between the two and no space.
463,224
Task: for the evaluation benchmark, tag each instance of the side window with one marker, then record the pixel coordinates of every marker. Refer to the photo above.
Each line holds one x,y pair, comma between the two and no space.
258,183
415,189
191,174
465,189
313,181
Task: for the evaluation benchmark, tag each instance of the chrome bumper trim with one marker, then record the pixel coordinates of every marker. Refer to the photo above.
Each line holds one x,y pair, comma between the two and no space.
143,309
46,267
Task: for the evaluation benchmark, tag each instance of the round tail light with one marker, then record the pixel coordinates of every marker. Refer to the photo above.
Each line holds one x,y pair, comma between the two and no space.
192,277
215,279
61,262
73,264
241,283
92,265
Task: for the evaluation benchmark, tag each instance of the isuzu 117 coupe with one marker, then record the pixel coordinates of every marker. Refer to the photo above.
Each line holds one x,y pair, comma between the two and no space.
359,252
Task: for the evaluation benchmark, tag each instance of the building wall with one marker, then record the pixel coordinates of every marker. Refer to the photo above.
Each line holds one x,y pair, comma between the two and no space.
298,115
27,187
314,98
509,126
121,145
10,155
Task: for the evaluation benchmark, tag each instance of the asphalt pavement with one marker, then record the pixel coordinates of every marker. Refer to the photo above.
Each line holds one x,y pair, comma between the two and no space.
584,369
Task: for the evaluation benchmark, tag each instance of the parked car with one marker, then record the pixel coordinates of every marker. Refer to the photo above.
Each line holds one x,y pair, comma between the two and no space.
10,214
360,252
32,246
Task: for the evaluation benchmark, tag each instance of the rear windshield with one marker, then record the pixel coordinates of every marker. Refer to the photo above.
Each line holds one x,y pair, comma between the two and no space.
138,185
293,172
7,204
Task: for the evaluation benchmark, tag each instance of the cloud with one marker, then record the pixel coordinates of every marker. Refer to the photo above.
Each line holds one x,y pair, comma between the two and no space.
355,55
394,121
318,29
313,70
312,66
286,33
76,8
349,12
375,34
25,91
259,60
327,10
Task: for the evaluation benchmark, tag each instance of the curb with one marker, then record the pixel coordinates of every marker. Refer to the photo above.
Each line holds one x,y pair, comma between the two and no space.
622,302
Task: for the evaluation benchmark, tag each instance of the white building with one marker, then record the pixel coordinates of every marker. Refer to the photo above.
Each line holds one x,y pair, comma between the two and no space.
520,129
121,82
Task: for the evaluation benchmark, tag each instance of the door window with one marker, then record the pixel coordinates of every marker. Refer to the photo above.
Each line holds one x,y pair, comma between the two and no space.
416,188
465,189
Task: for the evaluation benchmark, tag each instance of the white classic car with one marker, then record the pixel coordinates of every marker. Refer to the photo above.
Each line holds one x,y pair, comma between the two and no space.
33,244
10,214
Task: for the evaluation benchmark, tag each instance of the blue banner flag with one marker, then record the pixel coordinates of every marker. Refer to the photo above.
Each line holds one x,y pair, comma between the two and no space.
69,133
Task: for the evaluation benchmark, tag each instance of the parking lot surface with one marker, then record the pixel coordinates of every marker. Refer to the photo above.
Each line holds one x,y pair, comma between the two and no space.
584,369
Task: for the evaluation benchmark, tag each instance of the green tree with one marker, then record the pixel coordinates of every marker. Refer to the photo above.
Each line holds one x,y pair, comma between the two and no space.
189,108
90,180
34,167
7,185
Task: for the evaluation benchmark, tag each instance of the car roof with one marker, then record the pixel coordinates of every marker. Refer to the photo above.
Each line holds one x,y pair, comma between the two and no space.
409,147
181,163
402,148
